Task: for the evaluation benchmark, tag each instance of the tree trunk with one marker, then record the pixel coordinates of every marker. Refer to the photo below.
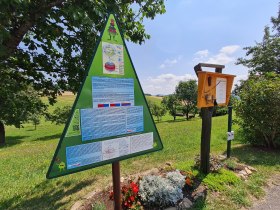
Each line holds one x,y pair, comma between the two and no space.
2,133
187,115
174,117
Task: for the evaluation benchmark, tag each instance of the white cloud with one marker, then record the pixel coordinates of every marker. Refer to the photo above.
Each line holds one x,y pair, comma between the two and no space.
164,83
230,49
170,62
224,56
202,53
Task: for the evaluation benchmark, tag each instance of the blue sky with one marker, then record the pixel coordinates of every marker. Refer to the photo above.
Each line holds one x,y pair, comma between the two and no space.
194,31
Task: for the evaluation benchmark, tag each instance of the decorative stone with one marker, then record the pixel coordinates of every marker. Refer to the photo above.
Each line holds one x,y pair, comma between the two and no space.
185,204
251,168
77,205
122,179
241,176
243,172
222,157
240,167
171,208
199,193
248,171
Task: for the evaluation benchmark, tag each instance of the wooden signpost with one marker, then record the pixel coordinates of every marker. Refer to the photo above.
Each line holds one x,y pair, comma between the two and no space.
214,89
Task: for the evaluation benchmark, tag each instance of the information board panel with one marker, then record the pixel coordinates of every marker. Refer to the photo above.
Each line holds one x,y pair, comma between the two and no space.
110,118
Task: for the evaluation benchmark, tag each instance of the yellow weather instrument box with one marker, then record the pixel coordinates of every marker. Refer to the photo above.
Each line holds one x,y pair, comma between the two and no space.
214,88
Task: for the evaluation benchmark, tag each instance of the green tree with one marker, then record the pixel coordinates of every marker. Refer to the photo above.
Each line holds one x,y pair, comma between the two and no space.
157,110
35,119
47,44
264,56
186,92
258,109
50,42
18,101
171,103
60,115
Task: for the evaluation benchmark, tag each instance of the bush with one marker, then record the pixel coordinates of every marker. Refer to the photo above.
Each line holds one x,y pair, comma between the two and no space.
60,115
157,191
220,111
258,110
157,110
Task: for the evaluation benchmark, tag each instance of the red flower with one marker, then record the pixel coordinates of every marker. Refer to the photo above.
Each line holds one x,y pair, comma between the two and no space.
111,196
124,189
132,198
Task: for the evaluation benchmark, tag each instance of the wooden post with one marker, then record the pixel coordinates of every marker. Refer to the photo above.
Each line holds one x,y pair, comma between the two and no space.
116,185
206,114
229,130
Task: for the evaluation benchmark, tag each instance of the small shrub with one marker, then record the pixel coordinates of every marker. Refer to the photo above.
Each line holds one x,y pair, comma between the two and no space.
176,178
219,181
157,191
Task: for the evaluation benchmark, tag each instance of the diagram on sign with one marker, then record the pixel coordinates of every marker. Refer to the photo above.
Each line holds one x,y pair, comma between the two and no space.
110,119
112,58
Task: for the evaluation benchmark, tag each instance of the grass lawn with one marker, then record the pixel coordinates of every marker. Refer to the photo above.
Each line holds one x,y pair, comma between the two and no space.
26,158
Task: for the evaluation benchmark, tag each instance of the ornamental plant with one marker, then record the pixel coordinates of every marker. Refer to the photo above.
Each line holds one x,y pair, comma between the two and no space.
130,196
157,191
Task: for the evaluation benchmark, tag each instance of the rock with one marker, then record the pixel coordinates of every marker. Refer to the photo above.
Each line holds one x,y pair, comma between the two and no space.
154,171
248,171
171,208
122,179
77,205
185,204
243,172
240,167
251,168
222,157
241,176
199,193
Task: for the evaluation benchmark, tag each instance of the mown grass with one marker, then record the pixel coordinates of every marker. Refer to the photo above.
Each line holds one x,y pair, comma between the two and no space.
26,158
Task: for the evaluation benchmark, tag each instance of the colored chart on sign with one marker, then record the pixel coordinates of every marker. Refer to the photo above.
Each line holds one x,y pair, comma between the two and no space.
112,92
110,119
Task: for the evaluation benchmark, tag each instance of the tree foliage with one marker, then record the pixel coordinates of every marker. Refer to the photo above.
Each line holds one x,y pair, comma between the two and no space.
186,92
157,110
60,115
258,109
50,42
46,45
171,103
18,101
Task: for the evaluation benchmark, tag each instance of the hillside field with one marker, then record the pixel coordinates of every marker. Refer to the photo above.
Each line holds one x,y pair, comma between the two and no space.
26,158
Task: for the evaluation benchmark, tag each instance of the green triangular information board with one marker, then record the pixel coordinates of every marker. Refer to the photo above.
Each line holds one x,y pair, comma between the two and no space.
110,118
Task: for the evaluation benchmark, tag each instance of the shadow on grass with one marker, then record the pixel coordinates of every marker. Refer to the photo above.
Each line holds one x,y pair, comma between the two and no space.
256,156
47,195
13,140
46,138
177,120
